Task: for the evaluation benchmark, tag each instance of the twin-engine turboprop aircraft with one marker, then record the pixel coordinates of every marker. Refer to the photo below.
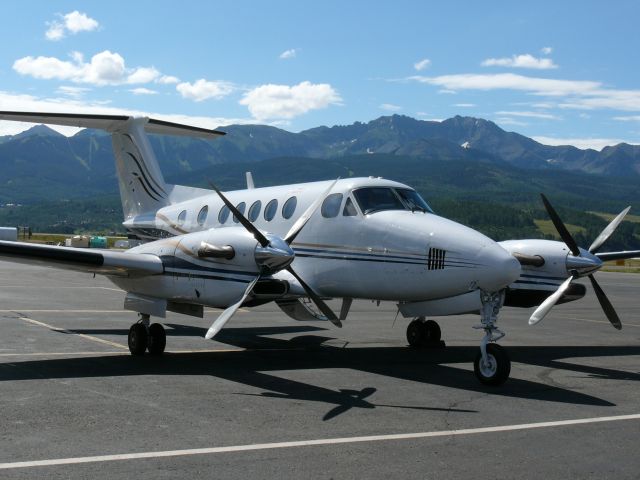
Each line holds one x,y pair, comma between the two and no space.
365,238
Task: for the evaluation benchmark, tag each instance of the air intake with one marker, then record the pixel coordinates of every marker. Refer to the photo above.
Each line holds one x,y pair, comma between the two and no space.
435,259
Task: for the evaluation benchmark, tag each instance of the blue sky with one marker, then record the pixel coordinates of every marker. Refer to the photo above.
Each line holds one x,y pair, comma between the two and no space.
561,72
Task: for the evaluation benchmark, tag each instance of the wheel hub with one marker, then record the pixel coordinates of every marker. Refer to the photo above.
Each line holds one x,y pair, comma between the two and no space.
488,368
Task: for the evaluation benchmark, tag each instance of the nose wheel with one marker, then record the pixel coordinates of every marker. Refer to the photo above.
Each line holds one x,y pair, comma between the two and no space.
492,365
144,337
424,333
496,368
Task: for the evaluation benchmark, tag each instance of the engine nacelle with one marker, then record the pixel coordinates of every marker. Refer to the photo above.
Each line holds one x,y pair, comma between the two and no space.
544,268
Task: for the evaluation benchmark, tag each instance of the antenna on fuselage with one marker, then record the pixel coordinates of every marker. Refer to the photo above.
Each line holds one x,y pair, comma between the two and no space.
250,185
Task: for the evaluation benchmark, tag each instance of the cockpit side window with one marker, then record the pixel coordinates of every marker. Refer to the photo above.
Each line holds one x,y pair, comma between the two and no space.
349,208
376,199
413,200
331,205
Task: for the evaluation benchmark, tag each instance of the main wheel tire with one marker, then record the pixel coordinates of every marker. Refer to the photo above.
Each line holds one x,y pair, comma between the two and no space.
415,333
157,339
498,369
432,332
138,339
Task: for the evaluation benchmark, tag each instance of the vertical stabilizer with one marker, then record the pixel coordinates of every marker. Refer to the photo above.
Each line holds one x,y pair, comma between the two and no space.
142,186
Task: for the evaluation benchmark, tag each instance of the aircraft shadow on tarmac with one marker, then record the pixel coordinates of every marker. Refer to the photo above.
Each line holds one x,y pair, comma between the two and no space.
308,352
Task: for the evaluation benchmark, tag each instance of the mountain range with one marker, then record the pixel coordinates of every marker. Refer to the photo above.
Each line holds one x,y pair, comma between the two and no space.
41,164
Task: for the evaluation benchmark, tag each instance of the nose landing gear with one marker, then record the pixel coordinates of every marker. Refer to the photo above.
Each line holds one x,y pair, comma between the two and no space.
492,364
143,337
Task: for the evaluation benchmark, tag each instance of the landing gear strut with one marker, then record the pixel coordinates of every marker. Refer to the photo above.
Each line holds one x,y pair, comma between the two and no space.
424,333
143,337
492,364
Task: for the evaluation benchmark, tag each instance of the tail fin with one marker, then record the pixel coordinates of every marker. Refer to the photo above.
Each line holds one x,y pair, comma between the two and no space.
142,186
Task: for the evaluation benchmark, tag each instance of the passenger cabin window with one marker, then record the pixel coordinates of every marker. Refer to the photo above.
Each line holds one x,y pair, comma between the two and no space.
289,207
270,210
241,206
223,215
331,205
349,208
182,217
254,211
413,200
202,215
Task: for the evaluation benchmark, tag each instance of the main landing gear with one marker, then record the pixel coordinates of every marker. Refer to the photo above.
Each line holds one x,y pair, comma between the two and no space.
492,364
424,333
144,336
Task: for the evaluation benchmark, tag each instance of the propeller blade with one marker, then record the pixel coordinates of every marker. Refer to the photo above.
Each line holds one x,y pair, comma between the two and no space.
609,311
324,308
606,233
228,313
551,300
259,236
304,218
562,230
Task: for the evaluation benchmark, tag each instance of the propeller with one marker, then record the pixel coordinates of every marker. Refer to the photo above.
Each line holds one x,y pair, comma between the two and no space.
580,263
274,254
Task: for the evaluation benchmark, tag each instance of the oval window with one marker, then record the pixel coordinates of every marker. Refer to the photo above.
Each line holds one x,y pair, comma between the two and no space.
223,216
289,207
254,211
270,210
331,205
202,215
182,217
241,206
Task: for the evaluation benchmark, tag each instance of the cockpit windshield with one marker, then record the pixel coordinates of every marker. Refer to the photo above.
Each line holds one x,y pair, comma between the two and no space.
376,199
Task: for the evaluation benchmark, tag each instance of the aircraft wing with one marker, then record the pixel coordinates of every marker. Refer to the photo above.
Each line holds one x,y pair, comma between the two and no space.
606,256
89,260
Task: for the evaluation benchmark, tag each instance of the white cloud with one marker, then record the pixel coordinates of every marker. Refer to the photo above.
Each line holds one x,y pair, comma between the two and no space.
582,143
70,23
465,105
287,54
546,50
510,81
520,61
30,103
628,118
510,122
446,91
143,91
204,89
284,102
143,75
168,79
72,92
390,107
105,68
422,64
545,116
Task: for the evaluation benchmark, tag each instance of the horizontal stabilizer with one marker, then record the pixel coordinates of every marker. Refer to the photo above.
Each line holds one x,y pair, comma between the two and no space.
110,123
104,262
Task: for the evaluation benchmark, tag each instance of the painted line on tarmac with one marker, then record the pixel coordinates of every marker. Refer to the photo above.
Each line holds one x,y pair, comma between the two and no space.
62,310
569,317
82,335
309,443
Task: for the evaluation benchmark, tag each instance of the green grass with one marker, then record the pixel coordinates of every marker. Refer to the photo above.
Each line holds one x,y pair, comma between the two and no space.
610,216
547,228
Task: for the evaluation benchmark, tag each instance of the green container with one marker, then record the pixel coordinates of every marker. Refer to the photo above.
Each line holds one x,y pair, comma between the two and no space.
98,242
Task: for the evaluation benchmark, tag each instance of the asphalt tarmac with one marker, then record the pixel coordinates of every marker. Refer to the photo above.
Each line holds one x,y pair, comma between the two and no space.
276,398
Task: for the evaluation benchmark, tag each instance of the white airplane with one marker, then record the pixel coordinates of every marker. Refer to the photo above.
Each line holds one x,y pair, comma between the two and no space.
371,239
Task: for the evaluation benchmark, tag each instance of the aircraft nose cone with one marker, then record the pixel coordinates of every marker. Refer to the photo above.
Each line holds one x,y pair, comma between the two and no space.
499,269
